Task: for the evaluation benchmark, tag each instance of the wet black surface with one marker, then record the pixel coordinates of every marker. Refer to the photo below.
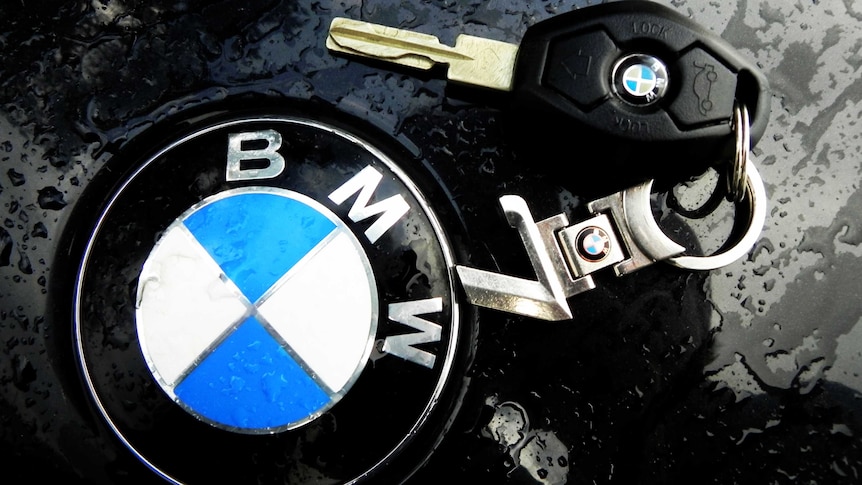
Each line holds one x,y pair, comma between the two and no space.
748,374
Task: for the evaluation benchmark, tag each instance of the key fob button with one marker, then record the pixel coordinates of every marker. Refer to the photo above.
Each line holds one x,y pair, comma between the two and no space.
704,83
579,73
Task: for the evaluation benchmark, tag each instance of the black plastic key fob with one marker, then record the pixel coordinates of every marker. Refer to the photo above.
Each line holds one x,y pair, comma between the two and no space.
633,87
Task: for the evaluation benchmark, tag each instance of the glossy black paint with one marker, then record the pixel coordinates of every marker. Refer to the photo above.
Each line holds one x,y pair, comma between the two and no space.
748,374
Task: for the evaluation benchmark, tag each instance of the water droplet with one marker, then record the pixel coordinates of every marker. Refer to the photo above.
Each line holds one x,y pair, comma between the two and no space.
39,230
21,318
51,199
5,247
16,178
23,373
24,264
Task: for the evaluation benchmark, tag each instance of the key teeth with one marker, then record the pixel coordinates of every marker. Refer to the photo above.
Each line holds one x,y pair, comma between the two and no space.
382,43
474,60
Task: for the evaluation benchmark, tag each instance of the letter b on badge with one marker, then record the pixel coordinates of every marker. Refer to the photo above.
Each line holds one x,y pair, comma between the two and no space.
253,155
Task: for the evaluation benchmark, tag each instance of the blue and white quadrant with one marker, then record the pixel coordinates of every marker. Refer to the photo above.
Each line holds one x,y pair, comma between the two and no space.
257,310
639,80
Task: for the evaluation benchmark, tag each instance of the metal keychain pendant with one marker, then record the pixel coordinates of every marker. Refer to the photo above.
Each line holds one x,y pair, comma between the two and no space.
622,233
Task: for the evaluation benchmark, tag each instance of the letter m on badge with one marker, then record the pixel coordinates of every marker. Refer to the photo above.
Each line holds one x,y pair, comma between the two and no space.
365,182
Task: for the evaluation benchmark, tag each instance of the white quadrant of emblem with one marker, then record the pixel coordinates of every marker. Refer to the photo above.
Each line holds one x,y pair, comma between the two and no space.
257,310
184,304
324,307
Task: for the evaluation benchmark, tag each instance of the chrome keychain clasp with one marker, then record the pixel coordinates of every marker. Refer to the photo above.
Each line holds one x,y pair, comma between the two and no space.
622,233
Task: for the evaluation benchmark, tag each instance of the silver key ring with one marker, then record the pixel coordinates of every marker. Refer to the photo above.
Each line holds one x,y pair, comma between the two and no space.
751,224
736,173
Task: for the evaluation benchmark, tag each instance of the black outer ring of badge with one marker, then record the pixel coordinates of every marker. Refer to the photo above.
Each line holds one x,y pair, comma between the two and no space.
394,414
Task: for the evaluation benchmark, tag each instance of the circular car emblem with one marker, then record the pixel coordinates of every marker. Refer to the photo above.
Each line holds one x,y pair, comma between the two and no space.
273,293
639,79
233,312
594,243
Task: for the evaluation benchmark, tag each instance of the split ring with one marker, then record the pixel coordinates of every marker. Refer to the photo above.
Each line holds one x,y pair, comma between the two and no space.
736,177
746,229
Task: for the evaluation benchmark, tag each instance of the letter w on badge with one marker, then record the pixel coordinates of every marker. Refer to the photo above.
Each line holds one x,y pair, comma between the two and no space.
404,345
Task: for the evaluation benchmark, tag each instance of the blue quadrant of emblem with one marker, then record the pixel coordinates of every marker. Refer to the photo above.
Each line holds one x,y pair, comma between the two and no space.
257,237
250,381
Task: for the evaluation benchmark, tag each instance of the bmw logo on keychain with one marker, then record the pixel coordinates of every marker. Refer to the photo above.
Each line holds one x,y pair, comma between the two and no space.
286,299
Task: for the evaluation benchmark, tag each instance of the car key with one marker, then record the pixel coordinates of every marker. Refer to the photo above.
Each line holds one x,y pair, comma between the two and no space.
647,87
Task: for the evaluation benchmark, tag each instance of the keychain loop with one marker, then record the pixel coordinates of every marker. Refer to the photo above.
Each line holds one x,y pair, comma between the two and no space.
749,224
622,234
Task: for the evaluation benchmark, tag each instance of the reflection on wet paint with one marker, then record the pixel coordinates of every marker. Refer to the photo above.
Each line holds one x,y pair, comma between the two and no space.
539,452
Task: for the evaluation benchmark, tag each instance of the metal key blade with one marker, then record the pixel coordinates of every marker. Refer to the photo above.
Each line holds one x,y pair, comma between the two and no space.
473,60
